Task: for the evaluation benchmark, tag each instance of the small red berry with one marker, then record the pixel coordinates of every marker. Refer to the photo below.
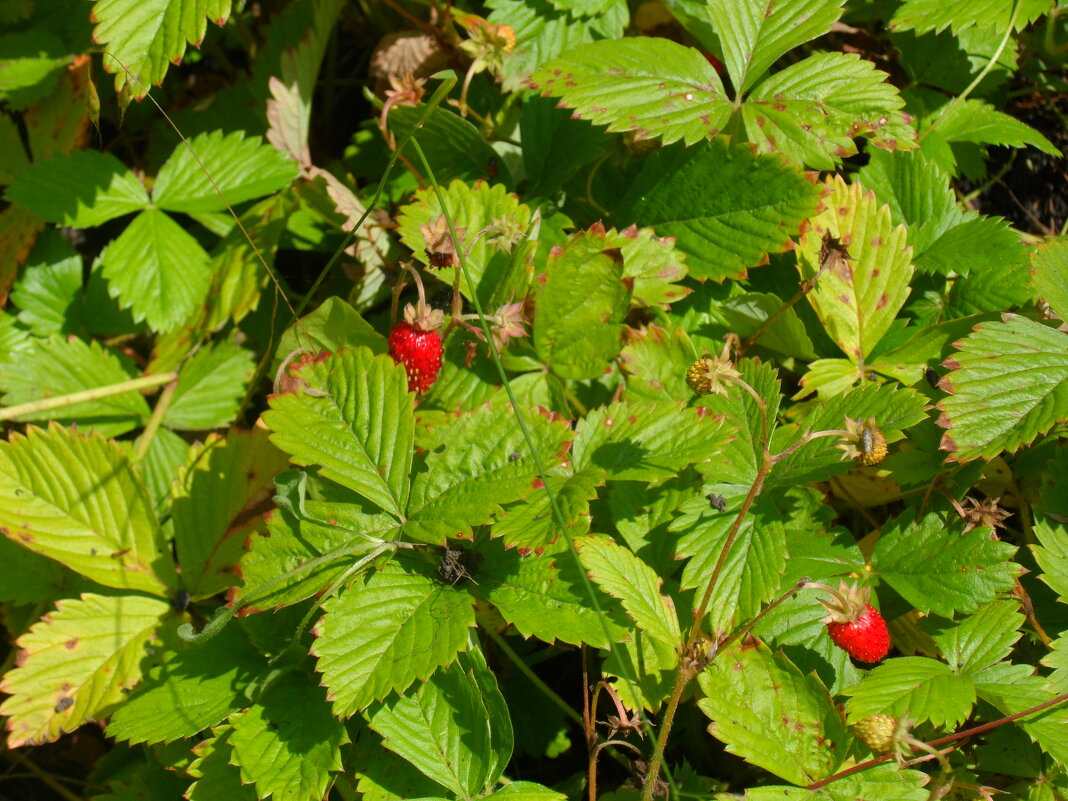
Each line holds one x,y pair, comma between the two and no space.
854,624
866,638
415,343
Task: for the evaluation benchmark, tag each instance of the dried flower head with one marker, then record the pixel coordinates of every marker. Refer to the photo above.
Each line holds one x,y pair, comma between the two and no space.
440,249
422,317
863,442
984,513
712,374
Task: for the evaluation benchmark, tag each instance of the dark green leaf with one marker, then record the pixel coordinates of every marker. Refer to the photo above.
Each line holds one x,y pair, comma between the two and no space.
726,208
938,569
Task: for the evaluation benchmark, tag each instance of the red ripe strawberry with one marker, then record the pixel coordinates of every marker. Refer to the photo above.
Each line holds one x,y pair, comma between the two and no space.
415,343
854,625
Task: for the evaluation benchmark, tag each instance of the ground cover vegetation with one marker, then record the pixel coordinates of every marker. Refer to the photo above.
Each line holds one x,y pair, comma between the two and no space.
533,399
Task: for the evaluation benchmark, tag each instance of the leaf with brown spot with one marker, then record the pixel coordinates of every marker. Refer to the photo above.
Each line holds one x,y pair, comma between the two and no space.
750,703
111,632
856,299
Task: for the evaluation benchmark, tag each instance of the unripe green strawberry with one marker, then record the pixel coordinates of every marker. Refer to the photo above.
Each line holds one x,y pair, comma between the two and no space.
877,732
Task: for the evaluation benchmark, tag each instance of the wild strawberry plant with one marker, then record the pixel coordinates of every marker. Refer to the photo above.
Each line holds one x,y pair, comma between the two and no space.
599,400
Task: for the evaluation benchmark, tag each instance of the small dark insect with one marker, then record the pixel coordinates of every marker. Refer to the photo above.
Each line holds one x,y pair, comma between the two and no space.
440,259
832,251
719,503
932,377
64,703
492,166
180,601
513,456
458,564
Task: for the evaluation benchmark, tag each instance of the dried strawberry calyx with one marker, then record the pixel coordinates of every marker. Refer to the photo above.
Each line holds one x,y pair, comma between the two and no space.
423,318
846,604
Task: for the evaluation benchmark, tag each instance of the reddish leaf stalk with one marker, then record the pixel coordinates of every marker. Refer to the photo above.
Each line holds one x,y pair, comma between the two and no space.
941,741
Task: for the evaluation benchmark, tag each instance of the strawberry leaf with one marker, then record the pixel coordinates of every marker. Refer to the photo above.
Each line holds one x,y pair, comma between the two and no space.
1015,691
621,574
157,270
217,779
812,110
299,557
143,38
530,524
755,33
75,499
738,460
981,639
49,291
579,306
210,387
469,479
444,729
1009,385
766,711
921,688
188,690
979,122
754,564
943,571
937,15
856,298
1049,274
647,441
88,651
83,189
288,743
241,168
218,497
545,29
555,145
893,408
357,425
726,208
1051,527
543,595
389,629
499,276
655,361
879,783
452,145
645,86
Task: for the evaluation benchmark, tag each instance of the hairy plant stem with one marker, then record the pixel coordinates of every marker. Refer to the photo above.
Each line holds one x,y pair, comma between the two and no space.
96,393
688,669
156,420
941,741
